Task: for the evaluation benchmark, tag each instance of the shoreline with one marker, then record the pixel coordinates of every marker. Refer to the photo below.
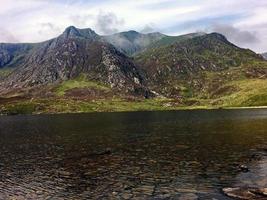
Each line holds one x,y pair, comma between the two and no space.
193,108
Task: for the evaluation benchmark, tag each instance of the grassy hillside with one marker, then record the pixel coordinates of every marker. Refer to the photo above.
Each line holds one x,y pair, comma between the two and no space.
218,92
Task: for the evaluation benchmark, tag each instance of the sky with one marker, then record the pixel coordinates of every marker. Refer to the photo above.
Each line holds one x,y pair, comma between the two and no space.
243,22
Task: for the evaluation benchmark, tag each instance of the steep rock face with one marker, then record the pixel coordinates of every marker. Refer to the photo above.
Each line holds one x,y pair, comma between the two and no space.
72,53
132,42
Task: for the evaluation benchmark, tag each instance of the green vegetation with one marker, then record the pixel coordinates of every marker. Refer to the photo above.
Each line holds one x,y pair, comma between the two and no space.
80,82
250,92
247,96
19,108
243,86
52,105
5,72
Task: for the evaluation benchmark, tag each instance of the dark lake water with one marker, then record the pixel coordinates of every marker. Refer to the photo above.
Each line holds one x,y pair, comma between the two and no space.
142,155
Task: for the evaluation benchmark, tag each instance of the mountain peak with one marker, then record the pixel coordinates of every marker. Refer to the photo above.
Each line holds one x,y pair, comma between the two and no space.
131,35
218,36
132,32
73,32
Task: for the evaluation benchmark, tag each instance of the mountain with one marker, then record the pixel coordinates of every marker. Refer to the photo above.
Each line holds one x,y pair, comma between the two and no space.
81,71
174,66
74,52
264,55
210,52
132,42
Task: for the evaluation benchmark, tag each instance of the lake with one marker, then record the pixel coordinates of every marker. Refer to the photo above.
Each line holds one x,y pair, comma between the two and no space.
136,155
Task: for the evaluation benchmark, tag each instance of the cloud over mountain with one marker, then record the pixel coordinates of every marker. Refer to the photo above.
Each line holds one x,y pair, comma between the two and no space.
108,23
7,36
236,35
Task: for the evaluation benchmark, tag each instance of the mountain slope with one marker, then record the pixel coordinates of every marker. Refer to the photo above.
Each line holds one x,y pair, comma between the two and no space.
173,66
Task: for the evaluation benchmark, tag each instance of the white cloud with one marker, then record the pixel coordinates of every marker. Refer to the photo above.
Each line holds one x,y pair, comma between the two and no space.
7,36
38,20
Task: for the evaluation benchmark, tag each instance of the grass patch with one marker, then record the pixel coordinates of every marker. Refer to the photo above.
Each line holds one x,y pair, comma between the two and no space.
251,92
62,105
19,108
5,72
80,82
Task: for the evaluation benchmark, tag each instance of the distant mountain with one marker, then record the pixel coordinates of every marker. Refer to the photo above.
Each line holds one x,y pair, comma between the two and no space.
132,42
264,55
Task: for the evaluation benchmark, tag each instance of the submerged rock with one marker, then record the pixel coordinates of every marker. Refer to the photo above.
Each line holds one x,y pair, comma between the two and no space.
246,193
105,152
243,168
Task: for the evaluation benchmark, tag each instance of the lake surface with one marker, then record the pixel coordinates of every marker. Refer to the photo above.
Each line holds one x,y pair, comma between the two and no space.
141,155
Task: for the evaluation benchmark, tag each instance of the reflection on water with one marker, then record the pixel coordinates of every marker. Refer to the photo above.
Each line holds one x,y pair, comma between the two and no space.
145,155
